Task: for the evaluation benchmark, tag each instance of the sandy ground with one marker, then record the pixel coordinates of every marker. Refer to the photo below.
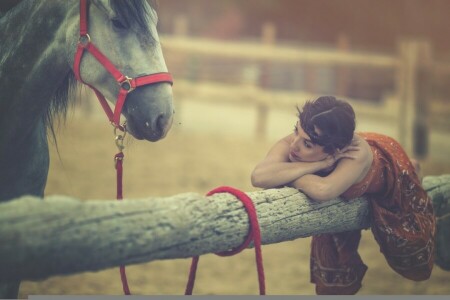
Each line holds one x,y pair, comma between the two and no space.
191,160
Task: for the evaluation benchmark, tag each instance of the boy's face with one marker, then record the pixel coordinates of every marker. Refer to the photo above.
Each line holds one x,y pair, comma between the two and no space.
303,149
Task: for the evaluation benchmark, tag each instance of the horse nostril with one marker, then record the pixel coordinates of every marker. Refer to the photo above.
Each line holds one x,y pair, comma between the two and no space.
160,123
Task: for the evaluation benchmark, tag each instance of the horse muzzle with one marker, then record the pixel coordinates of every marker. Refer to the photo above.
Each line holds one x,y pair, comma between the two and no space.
149,115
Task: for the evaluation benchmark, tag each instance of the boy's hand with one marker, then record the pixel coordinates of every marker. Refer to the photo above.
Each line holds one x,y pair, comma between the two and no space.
345,152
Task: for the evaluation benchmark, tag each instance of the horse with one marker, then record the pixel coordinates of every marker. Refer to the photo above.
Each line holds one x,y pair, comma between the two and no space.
41,41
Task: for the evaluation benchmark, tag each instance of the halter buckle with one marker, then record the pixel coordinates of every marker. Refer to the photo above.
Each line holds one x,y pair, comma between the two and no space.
84,40
126,84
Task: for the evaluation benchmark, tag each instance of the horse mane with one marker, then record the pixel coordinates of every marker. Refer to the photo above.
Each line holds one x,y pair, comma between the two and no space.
132,13
63,98
7,5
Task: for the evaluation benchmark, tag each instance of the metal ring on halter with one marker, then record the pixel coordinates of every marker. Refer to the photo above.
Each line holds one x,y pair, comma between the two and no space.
119,138
122,127
124,130
126,84
119,142
84,40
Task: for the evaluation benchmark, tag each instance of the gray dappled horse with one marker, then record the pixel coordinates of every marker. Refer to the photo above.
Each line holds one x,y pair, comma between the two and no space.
38,43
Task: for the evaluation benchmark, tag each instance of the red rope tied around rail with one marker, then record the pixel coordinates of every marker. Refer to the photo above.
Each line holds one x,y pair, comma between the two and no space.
118,158
254,234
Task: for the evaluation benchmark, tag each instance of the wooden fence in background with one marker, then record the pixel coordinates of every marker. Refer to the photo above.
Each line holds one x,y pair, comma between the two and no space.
408,103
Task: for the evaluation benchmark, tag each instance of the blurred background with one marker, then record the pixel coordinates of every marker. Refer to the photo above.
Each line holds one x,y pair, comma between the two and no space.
240,69
390,59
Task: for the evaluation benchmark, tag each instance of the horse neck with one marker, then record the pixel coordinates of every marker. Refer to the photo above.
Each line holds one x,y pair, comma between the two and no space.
32,65
32,61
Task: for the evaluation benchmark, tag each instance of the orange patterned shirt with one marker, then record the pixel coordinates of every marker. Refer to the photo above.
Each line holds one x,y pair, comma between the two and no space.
403,224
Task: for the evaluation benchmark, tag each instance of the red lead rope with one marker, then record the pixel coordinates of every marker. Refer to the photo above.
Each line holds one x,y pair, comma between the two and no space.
119,172
254,234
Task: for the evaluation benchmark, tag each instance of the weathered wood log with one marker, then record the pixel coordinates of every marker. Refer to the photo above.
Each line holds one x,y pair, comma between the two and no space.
439,190
61,235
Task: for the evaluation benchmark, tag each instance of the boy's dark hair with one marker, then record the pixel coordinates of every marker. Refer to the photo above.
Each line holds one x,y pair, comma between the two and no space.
333,117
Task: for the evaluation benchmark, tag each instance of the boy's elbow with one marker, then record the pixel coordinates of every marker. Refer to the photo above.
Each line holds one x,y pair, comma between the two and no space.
256,181
323,192
320,197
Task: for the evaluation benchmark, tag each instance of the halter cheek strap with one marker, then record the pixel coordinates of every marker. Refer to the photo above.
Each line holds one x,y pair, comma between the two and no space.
127,84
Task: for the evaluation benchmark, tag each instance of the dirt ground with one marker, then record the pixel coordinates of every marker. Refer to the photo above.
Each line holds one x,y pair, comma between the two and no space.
194,162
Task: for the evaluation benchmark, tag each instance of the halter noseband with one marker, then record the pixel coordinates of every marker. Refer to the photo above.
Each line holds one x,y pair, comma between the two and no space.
127,84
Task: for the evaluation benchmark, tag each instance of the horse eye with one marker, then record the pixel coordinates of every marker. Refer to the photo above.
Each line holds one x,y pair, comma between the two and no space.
118,24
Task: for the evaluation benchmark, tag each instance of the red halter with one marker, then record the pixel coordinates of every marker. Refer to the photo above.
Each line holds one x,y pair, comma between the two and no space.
127,84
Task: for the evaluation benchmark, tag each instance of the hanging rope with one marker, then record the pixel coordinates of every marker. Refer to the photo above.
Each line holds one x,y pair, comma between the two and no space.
254,234
118,158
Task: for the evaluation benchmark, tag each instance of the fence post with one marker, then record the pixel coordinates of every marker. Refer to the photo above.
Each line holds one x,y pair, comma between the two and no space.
268,37
343,45
423,92
261,120
311,84
413,89
180,26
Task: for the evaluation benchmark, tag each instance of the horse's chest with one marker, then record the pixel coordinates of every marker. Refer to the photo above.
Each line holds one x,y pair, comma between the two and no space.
24,167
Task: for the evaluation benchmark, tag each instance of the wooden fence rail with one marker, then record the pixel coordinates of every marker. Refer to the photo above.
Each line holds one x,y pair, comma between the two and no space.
61,235
413,66
276,53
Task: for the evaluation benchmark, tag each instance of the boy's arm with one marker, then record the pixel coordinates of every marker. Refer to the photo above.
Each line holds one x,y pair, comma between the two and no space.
346,173
276,169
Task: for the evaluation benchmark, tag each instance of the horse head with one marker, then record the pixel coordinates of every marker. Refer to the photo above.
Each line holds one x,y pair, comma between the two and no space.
125,33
